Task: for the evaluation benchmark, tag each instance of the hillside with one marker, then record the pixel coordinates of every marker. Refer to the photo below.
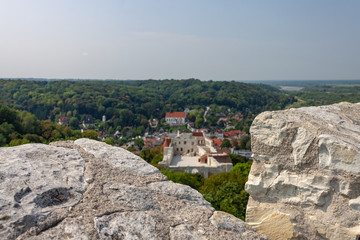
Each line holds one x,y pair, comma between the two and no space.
132,103
20,127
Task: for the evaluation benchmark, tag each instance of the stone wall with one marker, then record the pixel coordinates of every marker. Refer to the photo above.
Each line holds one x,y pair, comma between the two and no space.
305,178
186,144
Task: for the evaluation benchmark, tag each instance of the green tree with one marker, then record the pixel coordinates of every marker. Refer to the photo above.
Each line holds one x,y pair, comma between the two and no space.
110,141
192,180
225,143
92,134
242,169
237,159
235,143
139,142
74,123
199,122
3,140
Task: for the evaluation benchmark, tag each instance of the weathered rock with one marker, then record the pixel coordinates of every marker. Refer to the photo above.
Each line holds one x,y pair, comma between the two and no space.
89,190
305,179
118,157
36,180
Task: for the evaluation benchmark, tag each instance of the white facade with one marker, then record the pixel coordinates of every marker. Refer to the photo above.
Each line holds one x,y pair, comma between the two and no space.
185,150
175,119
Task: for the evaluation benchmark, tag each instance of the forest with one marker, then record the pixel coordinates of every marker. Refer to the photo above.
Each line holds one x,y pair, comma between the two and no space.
133,103
326,94
21,127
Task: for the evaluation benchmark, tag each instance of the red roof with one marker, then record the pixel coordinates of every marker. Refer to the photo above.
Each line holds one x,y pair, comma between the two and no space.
197,134
175,115
233,133
149,142
237,118
223,119
64,119
167,142
217,142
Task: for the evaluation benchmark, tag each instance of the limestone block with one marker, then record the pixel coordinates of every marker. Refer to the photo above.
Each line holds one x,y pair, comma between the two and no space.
306,173
126,225
118,157
272,223
36,179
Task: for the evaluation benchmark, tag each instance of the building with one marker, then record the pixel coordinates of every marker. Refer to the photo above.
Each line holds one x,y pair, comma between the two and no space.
152,142
234,134
153,122
175,118
64,121
217,142
194,153
88,121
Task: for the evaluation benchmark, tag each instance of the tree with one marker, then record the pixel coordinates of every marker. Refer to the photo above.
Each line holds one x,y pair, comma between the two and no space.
235,143
243,141
192,180
139,142
92,134
237,159
192,117
110,141
199,122
242,169
146,155
29,123
74,123
2,140
225,143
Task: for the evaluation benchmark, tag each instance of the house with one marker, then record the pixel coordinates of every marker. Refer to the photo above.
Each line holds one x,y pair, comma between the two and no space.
217,142
64,121
175,118
152,142
103,135
224,120
88,121
234,134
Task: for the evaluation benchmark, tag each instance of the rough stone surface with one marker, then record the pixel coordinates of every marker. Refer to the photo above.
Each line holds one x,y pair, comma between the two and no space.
89,190
305,179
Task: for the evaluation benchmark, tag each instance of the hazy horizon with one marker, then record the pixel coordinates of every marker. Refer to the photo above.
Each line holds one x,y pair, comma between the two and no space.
207,40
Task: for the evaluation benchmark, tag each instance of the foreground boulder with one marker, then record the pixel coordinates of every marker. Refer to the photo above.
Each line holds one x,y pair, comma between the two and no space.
90,190
305,179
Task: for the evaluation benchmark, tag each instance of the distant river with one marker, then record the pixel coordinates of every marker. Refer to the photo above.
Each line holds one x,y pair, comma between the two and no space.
291,88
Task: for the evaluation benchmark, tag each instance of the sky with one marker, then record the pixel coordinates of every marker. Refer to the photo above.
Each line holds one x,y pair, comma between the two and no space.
180,39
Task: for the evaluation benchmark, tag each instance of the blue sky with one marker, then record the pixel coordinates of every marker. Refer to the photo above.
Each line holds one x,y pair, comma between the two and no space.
157,39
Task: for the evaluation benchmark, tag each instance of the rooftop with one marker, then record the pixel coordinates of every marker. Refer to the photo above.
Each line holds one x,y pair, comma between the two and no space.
186,161
175,115
197,134
217,142
167,142
222,159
